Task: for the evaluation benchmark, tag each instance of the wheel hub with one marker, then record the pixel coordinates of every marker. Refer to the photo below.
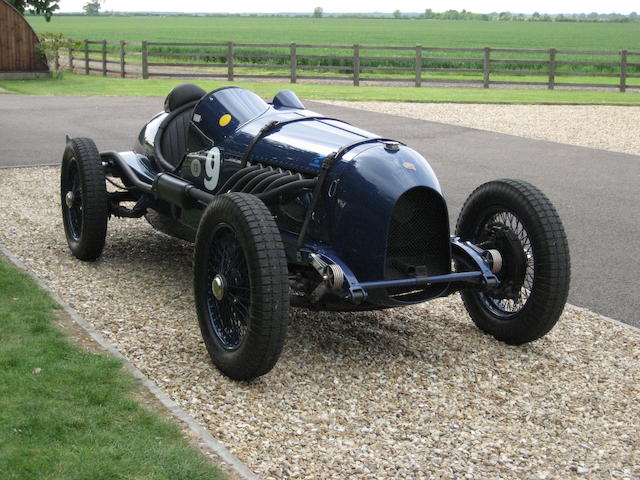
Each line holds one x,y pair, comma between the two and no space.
69,198
514,263
218,287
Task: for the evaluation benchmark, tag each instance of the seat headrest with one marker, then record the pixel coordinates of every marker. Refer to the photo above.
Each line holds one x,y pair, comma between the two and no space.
182,94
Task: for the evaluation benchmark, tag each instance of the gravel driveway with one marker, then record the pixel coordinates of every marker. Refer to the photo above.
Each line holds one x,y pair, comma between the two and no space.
594,126
407,393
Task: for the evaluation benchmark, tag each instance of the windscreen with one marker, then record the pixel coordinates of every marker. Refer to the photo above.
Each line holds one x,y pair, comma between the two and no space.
222,111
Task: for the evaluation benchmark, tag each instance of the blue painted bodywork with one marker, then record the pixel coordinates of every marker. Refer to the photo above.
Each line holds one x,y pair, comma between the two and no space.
352,218
299,146
368,187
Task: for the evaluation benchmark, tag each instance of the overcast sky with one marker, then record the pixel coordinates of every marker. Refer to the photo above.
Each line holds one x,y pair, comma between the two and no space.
249,6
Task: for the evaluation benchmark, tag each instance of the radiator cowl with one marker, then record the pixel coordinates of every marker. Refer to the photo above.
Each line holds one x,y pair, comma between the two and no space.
417,242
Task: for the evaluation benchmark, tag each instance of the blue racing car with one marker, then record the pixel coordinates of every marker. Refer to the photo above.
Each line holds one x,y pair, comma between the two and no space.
287,207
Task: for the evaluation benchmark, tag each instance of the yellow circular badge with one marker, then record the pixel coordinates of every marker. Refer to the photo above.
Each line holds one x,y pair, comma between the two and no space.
224,120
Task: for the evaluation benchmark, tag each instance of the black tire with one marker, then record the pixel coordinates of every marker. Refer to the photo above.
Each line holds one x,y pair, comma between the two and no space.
244,322
519,221
83,196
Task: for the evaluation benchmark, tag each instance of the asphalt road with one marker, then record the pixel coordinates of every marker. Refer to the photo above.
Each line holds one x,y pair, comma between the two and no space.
595,191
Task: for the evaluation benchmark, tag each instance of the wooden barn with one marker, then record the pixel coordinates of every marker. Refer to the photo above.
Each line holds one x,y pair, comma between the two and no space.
19,55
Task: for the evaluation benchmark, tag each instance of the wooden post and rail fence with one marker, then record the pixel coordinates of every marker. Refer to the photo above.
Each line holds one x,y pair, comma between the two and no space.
419,65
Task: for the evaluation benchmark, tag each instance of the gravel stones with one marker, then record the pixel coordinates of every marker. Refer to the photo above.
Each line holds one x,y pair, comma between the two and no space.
415,392
594,126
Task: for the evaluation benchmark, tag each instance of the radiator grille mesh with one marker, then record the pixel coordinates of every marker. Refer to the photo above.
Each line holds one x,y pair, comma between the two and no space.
418,241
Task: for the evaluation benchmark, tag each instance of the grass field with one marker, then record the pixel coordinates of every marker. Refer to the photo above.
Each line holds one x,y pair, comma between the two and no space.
66,414
375,64
71,84
341,31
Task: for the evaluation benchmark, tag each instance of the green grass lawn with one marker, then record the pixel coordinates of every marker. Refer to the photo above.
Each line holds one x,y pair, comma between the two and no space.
71,84
67,414
340,31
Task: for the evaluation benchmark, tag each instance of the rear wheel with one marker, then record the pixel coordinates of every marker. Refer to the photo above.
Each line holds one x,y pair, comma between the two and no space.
241,286
518,220
83,196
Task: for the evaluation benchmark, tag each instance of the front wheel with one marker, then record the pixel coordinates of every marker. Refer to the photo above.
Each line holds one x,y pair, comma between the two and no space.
518,220
241,285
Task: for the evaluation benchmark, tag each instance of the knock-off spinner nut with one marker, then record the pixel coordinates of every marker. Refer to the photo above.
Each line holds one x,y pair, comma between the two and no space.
218,287
69,199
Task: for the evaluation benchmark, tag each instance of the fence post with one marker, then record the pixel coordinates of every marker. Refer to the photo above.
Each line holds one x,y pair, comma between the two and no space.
230,62
356,65
418,65
294,63
552,68
104,58
122,54
145,60
86,57
56,55
486,67
71,55
623,71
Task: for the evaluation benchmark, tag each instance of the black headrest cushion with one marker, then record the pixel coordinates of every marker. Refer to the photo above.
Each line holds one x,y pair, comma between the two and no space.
182,94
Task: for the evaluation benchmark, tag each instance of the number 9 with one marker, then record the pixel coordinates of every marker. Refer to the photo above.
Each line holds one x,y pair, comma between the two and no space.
212,168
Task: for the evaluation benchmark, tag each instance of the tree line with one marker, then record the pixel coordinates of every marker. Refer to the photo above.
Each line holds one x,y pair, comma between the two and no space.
429,14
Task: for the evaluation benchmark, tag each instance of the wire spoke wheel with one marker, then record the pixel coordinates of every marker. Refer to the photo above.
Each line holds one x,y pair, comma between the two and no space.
229,297
519,221
241,285
522,286
72,200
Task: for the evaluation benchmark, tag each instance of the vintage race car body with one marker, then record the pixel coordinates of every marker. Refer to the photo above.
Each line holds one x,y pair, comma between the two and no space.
288,207
378,189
